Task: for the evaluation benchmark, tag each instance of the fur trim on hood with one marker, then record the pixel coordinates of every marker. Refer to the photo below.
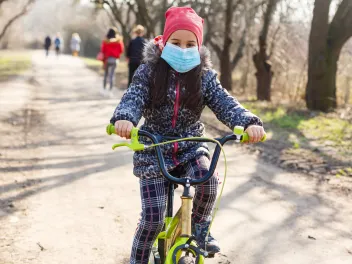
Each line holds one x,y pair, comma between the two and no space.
151,55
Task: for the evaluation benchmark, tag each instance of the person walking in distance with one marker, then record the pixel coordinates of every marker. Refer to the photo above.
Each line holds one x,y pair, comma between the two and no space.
58,43
134,51
112,47
47,45
75,44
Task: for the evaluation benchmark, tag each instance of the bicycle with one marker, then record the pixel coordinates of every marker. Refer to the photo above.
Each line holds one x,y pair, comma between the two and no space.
176,244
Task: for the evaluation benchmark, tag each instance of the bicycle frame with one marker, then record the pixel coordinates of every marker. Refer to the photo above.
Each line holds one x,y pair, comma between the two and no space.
177,231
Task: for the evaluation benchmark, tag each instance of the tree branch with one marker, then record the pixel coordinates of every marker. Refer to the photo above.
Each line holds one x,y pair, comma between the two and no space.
143,13
216,47
130,9
13,19
239,53
214,7
340,29
273,40
267,19
111,18
230,8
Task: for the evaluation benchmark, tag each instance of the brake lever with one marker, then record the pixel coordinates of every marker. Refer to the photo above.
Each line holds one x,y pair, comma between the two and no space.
134,145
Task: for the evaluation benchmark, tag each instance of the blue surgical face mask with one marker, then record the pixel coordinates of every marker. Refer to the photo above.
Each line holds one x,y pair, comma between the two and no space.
181,60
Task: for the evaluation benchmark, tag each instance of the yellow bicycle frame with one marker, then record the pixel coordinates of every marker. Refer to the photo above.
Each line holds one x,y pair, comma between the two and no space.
178,230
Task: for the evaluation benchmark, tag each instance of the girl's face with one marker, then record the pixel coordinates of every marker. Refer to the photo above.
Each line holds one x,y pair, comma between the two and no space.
184,39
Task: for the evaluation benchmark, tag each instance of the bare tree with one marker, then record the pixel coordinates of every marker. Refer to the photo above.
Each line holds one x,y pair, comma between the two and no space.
149,13
120,11
261,58
15,17
219,17
227,62
325,43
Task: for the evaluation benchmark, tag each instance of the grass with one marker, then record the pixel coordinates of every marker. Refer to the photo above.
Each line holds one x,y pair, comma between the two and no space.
12,64
92,62
325,129
279,116
96,65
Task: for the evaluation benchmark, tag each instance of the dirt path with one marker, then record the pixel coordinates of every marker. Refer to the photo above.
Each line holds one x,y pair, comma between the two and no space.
67,198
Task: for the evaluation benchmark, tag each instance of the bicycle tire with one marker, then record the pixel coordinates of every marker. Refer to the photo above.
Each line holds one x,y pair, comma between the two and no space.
186,260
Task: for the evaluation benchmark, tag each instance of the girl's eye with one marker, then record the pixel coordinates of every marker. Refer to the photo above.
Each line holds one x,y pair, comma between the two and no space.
176,43
190,45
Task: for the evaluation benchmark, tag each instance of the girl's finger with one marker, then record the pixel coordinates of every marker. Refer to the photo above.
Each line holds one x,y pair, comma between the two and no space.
117,131
122,129
129,128
250,135
254,136
258,135
126,130
261,134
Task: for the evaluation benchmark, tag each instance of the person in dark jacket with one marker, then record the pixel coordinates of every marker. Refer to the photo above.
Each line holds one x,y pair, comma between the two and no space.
170,90
134,51
47,44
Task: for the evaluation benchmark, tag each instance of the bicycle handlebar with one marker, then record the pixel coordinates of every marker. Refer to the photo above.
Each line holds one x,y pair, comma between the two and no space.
239,136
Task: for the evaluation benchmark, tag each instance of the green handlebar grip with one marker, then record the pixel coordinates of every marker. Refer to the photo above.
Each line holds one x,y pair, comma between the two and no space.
245,138
239,131
110,129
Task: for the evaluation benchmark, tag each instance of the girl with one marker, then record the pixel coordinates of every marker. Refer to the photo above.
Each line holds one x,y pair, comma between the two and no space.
112,48
170,90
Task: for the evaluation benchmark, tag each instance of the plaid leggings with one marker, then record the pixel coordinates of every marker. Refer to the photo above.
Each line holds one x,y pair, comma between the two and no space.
154,198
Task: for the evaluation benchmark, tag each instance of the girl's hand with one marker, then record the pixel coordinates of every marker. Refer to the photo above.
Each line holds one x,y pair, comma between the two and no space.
123,128
255,133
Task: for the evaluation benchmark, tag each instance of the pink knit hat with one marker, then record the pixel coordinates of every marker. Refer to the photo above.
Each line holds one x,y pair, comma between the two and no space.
183,18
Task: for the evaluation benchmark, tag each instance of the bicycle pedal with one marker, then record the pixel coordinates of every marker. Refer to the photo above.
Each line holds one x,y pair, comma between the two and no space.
211,255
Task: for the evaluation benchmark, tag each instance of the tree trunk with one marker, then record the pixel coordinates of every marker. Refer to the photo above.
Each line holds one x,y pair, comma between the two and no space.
226,71
325,44
261,61
263,85
264,73
321,86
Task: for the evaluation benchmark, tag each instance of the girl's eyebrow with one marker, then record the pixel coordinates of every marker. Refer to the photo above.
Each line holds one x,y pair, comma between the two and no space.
192,41
175,39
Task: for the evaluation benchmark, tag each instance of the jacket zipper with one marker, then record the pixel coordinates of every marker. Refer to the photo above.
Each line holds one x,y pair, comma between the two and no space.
174,119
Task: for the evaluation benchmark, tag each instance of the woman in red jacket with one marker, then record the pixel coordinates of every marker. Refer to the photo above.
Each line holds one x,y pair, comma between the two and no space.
112,48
